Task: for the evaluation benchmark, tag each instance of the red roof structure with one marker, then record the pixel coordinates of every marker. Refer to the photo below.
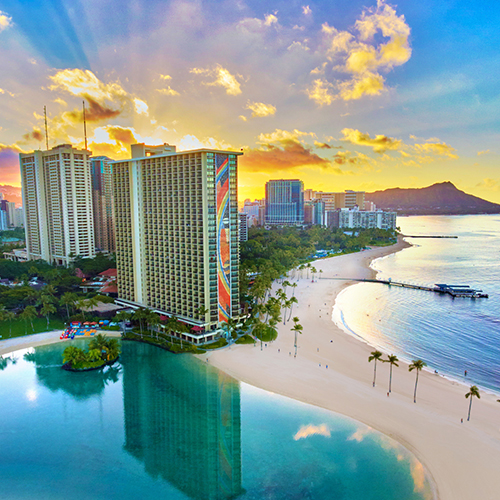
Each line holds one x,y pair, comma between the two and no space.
109,273
109,287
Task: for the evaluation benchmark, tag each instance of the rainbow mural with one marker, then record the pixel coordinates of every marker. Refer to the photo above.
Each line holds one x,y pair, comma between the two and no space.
223,236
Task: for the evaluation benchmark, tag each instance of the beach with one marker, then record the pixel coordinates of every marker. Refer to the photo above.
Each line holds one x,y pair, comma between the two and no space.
331,371
462,459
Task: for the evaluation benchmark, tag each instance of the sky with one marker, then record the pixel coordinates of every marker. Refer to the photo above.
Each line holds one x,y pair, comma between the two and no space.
362,95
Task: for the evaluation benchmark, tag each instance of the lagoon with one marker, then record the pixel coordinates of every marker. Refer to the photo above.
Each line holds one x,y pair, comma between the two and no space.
159,425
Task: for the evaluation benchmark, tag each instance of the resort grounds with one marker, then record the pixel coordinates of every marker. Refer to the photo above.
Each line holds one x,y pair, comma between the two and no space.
331,371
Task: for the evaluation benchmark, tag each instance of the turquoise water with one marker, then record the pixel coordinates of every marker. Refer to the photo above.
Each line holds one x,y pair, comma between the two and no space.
159,425
451,335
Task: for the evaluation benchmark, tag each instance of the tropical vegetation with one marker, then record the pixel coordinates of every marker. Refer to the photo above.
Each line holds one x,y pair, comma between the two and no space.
375,356
473,393
101,351
418,365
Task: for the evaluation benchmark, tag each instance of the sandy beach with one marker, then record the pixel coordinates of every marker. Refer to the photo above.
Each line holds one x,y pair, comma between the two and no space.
462,459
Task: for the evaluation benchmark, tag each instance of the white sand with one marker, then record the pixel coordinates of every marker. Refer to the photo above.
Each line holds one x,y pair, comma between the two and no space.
462,459
9,345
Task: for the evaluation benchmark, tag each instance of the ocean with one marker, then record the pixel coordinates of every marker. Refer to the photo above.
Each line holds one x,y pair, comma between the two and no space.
452,335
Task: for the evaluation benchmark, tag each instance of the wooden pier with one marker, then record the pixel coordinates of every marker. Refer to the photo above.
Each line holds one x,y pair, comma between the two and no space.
454,290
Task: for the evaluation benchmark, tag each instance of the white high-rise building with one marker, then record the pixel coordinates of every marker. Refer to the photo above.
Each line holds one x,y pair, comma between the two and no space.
57,202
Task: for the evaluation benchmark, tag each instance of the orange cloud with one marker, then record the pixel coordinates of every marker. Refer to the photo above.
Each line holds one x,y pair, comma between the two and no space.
35,134
272,158
95,113
379,144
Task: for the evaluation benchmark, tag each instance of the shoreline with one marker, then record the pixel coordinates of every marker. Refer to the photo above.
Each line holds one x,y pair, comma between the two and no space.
461,460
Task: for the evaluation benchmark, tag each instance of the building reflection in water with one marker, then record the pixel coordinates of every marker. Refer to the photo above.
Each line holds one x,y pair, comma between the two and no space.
182,421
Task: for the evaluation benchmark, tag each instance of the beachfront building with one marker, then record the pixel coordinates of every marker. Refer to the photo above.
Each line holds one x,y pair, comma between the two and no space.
177,242
102,199
284,202
243,227
57,200
363,219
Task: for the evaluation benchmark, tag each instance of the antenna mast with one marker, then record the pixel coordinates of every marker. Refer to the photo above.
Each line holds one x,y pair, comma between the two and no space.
84,125
46,134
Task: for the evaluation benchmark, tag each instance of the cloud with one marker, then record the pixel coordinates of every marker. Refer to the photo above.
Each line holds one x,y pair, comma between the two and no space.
270,19
259,109
282,136
320,92
168,91
362,56
379,144
112,141
479,153
322,145
222,78
312,430
84,83
192,142
289,155
5,21
488,183
35,134
306,10
94,113
165,77
439,148
141,107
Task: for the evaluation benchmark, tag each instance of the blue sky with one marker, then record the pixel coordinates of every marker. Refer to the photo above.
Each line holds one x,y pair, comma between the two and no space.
345,95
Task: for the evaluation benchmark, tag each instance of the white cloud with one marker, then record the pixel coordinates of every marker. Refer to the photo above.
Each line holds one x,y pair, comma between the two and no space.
141,107
260,109
5,21
222,78
306,10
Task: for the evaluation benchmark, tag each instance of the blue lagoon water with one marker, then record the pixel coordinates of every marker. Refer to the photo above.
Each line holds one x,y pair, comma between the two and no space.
451,335
159,425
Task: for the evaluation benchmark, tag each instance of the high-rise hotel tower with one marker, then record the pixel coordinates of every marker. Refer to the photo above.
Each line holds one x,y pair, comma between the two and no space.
177,246
57,201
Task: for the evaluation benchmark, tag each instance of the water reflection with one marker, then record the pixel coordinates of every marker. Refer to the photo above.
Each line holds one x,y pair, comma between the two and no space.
182,422
81,386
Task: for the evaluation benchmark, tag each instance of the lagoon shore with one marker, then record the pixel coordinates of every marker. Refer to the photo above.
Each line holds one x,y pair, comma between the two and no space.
462,460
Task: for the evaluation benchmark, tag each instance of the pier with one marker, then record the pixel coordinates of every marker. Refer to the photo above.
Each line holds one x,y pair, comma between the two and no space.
442,288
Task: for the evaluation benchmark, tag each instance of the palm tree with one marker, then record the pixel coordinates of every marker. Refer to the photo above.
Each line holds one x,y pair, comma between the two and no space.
9,316
294,286
374,355
201,312
72,354
140,315
122,317
153,321
29,314
416,364
473,391
393,360
313,271
296,328
308,267
48,308
292,301
320,273
68,299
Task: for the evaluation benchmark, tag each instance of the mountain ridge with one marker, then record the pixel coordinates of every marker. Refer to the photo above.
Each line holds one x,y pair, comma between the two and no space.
442,198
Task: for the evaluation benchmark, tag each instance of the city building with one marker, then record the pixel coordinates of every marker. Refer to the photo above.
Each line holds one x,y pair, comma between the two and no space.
347,199
57,200
251,208
8,217
284,202
16,255
243,227
177,243
363,219
102,198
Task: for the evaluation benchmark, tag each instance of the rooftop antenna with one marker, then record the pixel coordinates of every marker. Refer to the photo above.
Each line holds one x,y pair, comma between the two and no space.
46,134
84,126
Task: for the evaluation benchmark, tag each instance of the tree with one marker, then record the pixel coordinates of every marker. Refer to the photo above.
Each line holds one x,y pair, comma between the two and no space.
473,391
393,360
48,308
9,316
201,312
313,271
73,355
296,328
293,300
374,355
29,314
122,317
68,299
294,286
308,267
320,273
153,321
416,364
140,315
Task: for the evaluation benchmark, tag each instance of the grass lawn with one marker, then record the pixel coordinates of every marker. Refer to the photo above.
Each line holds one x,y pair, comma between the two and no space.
39,325
246,339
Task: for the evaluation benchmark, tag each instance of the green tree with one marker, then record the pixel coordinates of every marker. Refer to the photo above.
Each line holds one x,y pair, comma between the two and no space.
296,328
73,355
47,309
416,364
313,271
153,320
9,316
122,317
393,360
100,342
140,315
69,299
473,392
29,314
374,355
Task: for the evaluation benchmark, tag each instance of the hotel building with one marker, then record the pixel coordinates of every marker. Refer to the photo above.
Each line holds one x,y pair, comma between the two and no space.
57,202
177,244
102,198
284,202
